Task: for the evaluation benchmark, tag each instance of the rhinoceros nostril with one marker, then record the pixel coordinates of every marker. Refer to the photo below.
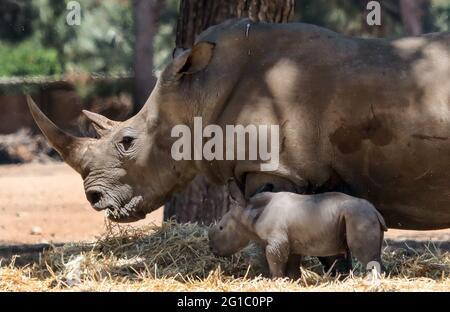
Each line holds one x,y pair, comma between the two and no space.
93,197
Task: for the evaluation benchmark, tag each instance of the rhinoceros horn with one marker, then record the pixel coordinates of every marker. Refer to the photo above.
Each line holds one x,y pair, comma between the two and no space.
100,123
70,148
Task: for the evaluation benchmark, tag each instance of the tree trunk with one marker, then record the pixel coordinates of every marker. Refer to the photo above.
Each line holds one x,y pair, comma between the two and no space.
201,201
197,15
414,13
146,16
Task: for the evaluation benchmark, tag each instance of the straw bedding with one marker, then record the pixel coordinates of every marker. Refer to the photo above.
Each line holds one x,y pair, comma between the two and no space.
176,257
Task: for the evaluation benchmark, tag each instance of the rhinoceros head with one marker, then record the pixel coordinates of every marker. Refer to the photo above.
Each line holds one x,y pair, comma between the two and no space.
128,170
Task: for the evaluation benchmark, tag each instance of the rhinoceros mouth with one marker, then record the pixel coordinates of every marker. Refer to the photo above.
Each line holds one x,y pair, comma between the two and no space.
127,213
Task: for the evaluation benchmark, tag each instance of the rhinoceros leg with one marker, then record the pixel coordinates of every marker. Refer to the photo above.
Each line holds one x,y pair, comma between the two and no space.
277,254
339,264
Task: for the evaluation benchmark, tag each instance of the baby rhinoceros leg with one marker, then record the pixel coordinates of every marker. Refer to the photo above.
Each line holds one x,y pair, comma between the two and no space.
365,233
293,266
339,265
277,254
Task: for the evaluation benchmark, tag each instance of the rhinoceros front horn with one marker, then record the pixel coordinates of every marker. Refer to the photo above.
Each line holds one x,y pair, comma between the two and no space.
69,147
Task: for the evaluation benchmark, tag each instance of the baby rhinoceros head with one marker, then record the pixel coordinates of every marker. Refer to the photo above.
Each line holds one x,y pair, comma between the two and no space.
227,236
230,235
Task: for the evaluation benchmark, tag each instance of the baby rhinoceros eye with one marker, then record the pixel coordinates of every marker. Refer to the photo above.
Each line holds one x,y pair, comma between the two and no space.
127,142
221,228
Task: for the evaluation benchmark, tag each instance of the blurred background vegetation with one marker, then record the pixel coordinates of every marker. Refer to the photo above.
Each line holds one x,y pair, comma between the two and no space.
36,40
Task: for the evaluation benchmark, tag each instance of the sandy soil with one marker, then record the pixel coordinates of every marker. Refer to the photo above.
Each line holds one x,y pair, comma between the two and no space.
46,203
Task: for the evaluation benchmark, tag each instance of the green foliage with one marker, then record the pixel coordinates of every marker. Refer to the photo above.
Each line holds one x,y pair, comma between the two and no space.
165,38
103,42
440,11
15,20
349,17
36,39
28,58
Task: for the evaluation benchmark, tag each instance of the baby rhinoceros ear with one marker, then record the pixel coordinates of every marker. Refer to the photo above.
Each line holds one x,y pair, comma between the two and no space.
236,193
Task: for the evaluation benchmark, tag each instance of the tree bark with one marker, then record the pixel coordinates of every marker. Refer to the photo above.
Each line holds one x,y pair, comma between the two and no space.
413,14
197,15
146,18
201,201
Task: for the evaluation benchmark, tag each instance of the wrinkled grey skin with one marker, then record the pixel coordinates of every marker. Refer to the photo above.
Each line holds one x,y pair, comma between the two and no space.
367,117
291,225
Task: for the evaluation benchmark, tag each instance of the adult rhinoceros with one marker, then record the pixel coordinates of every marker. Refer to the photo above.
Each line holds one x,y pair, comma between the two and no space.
368,116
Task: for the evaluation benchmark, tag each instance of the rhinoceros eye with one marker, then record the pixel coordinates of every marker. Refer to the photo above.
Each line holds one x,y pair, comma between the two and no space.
127,142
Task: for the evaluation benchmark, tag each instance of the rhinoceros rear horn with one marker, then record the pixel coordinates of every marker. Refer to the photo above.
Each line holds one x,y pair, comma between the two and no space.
100,123
69,147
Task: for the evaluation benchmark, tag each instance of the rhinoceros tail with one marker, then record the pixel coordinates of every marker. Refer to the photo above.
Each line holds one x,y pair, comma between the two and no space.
381,219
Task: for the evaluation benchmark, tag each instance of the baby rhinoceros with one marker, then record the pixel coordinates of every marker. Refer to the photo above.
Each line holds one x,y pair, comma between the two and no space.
290,225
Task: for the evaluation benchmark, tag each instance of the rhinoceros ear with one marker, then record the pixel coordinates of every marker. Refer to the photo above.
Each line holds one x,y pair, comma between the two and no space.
235,193
194,60
100,123
265,188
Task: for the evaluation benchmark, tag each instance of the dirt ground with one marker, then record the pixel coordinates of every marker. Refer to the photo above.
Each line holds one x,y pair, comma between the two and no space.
46,203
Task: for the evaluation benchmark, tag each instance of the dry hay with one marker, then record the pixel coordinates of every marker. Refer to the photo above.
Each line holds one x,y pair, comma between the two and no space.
176,257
